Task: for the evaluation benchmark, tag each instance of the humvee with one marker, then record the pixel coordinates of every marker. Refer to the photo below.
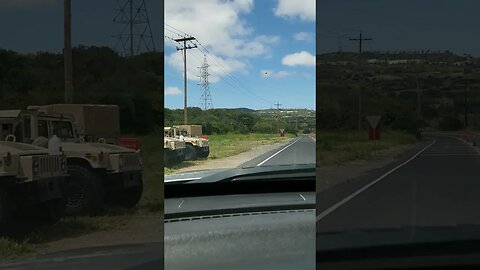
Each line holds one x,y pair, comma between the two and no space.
195,145
98,172
174,150
31,183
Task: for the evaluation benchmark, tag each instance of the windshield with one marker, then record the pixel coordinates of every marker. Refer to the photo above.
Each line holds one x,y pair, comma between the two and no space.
249,116
398,130
63,129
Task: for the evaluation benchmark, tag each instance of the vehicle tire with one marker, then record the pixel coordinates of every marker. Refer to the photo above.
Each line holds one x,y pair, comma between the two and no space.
203,154
190,152
129,197
83,191
166,159
6,215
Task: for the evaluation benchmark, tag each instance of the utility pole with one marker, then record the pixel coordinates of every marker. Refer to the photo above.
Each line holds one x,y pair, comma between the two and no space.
278,114
465,90
206,97
67,51
360,109
136,35
419,104
184,49
131,27
360,39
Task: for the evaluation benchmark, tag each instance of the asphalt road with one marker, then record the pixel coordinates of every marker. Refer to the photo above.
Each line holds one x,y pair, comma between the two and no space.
128,257
436,185
299,151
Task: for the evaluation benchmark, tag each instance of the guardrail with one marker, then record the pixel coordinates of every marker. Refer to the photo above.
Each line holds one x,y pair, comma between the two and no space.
469,137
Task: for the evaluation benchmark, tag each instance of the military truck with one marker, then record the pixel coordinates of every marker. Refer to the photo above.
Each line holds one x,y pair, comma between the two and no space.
195,145
31,183
92,122
174,151
98,172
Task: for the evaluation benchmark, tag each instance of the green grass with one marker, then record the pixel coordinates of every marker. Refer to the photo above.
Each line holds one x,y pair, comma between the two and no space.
334,148
226,145
152,157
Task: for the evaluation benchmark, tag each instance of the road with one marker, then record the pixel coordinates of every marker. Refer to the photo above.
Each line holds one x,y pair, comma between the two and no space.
131,257
436,185
300,151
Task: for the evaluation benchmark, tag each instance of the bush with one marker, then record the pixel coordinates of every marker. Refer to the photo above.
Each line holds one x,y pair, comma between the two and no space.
449,123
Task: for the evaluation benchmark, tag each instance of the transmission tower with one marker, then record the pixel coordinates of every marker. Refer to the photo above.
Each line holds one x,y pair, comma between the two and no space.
136,35
206,98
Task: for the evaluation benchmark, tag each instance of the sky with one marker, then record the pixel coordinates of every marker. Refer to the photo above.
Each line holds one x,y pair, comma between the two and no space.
29,26
399,25
260,52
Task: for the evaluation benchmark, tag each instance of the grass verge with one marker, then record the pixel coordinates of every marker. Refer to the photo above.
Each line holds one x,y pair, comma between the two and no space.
335,148
226,145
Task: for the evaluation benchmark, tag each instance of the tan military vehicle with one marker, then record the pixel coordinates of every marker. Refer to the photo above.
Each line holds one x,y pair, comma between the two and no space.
196,146
174,151
98,172
32,183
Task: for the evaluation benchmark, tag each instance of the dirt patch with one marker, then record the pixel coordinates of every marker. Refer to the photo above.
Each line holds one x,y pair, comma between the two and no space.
137,229
236,160
330,176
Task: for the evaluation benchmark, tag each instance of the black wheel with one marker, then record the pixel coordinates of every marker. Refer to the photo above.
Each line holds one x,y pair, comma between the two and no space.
204,154
129,197
190,152
84,192
6,213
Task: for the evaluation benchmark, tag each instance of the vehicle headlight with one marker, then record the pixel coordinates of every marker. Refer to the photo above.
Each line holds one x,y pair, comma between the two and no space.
91,157
35,166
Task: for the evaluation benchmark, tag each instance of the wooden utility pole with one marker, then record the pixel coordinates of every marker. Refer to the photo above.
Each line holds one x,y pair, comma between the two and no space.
184,49
67,51
360,39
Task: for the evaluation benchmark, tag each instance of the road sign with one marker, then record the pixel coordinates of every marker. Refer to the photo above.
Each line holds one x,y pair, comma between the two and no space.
373,120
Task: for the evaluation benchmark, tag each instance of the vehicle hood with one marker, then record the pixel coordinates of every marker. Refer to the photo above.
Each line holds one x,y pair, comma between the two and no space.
95,148
233,174
21,149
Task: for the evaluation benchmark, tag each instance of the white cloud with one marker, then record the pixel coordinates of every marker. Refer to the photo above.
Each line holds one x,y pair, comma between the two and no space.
218,65
302,58
304,36
171,91
27,3
304,9
219,26
265,73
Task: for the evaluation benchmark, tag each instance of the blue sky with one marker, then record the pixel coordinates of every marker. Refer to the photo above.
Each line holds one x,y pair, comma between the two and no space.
400,25
37,25
260,52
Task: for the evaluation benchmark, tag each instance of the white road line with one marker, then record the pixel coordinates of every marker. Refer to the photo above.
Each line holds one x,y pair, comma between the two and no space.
182,179
260,164
180,205
353,195
471,146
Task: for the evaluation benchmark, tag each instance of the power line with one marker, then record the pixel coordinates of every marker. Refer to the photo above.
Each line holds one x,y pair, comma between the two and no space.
360,39
136,34
217,64
206,97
